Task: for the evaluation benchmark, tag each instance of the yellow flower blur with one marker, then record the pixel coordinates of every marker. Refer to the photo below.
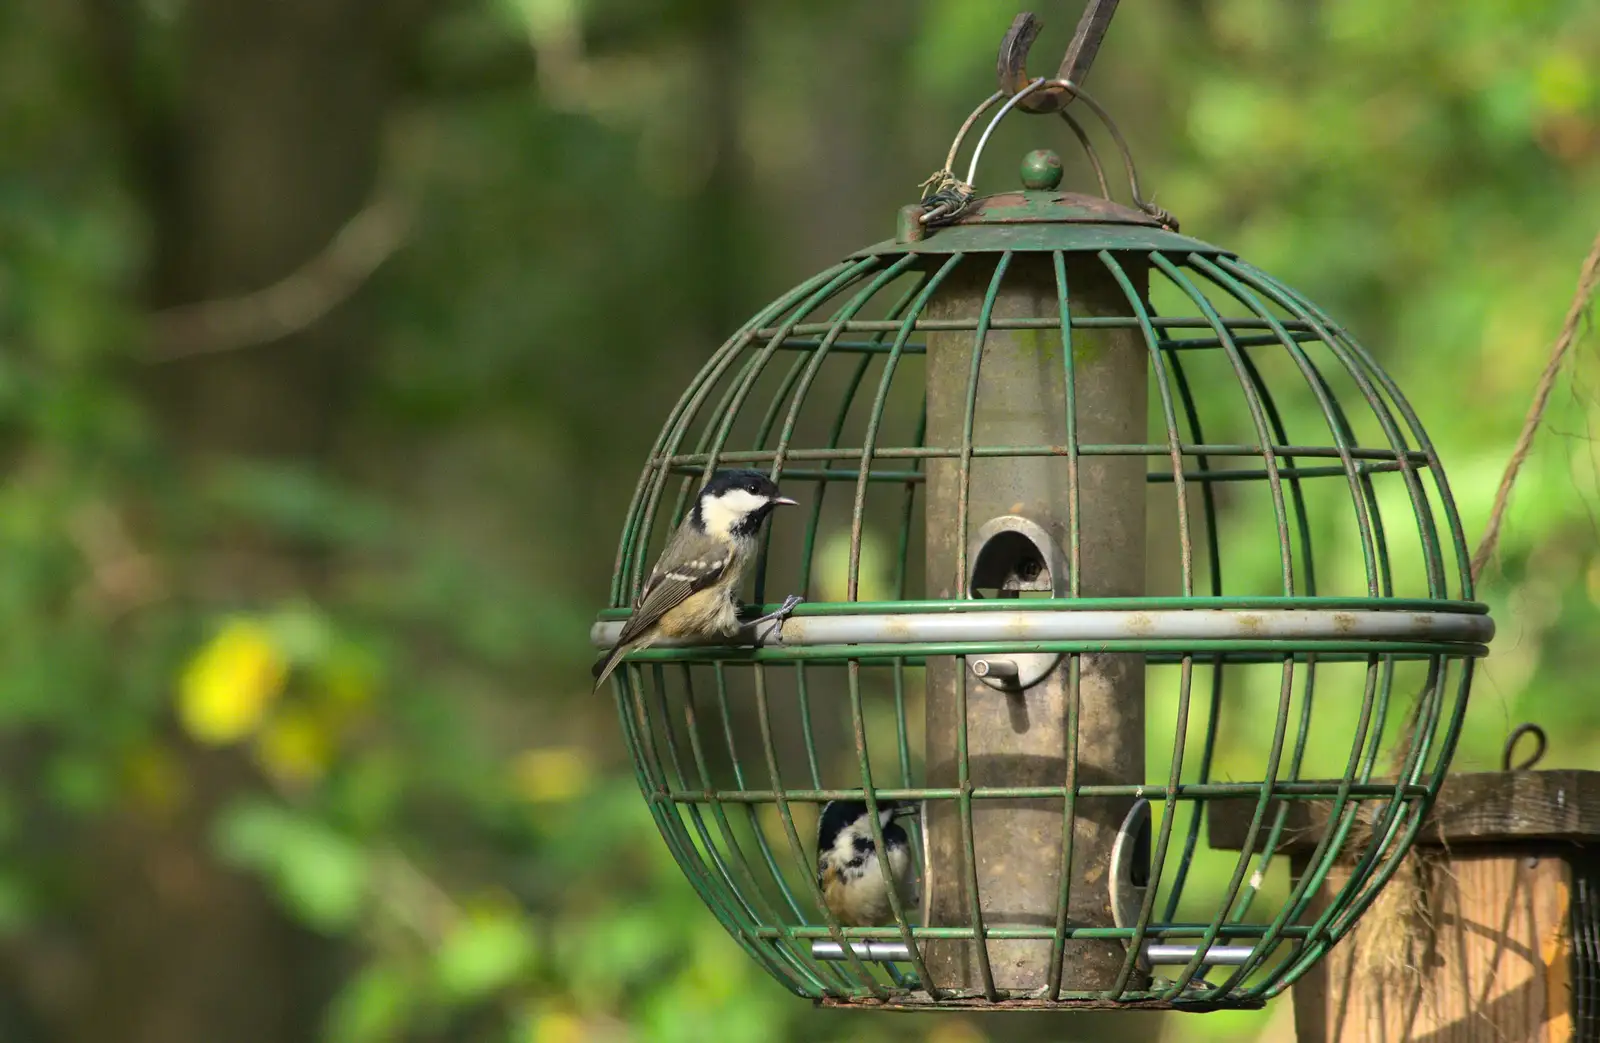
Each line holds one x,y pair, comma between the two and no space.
294,747
557,1027
553,775
226,688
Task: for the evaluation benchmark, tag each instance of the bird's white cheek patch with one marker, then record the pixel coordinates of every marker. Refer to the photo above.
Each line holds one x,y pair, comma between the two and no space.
722,513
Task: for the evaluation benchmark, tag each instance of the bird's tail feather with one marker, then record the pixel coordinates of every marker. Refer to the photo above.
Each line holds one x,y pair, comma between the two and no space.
607,663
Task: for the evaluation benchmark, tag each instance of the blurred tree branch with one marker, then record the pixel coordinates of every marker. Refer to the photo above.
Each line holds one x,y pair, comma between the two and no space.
296,301
351,257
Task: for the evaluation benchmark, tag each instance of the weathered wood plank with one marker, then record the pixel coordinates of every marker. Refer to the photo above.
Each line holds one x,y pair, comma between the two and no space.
1483,956
1483,808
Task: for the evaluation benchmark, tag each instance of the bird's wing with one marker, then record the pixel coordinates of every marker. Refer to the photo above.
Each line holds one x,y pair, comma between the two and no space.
668,587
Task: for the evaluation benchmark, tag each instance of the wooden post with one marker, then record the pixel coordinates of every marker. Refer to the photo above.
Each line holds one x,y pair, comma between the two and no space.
1502,932
1021,739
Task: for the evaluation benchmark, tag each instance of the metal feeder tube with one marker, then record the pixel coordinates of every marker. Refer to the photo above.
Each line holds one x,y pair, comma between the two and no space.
1022,739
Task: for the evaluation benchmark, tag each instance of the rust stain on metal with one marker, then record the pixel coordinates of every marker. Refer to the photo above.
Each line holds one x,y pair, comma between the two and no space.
1251,623
1139,623
1035,208
908,225
1344,622
1004,200
1423,621
895,627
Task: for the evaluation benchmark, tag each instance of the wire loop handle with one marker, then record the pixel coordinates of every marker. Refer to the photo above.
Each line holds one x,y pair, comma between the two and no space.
1540,743
946,197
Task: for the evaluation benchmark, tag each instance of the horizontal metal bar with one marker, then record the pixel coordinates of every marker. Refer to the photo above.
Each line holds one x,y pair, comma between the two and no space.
1161,657
1168,930
1154,477
1325,789
751,456
1258,474
849,347
821,474
1249,340
1131,604
1179,322
1172,625
1197,648
884,347
979,999
899,952
881,952
1216,956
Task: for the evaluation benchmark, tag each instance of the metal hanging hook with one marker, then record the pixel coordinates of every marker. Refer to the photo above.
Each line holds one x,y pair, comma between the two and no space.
1540,744
1012,64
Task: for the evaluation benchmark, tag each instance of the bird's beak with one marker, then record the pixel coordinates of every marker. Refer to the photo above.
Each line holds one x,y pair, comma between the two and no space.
784,501
906,811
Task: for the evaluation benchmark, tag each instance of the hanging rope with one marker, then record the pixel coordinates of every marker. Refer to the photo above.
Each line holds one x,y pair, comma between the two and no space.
1588,282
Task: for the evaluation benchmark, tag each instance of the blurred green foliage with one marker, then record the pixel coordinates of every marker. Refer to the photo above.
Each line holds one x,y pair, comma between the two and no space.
354,672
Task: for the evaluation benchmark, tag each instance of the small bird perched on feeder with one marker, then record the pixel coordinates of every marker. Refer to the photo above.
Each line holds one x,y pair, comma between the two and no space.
848,870
693,591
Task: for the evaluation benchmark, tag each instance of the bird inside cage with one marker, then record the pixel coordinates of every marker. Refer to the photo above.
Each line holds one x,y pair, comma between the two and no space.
849,872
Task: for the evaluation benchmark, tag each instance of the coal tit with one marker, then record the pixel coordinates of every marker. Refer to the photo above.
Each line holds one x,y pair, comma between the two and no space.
848,871
693,591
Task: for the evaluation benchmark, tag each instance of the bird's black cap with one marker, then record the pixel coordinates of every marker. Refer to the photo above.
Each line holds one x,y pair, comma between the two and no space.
753,482
839,815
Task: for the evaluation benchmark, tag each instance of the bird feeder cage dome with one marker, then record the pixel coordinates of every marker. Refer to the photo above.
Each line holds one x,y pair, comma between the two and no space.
1101,529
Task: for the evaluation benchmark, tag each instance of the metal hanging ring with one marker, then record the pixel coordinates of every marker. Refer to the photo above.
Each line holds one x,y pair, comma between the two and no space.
1163,216
994,121
1541,742
944,197
1019,99
1011,66
966,127
949,197
1089,152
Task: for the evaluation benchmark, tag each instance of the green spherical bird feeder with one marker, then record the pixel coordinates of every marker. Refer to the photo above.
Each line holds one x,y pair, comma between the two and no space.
1100,526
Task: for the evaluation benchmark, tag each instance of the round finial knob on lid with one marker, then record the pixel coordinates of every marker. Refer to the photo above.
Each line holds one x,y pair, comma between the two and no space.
1041,170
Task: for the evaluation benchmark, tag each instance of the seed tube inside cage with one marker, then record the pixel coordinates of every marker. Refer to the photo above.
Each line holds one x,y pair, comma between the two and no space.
1011,387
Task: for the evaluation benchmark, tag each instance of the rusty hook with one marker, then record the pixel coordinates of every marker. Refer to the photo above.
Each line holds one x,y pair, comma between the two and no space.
1540,742
1012,63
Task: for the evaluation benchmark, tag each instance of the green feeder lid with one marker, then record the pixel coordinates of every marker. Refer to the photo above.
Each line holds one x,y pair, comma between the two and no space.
1040,217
